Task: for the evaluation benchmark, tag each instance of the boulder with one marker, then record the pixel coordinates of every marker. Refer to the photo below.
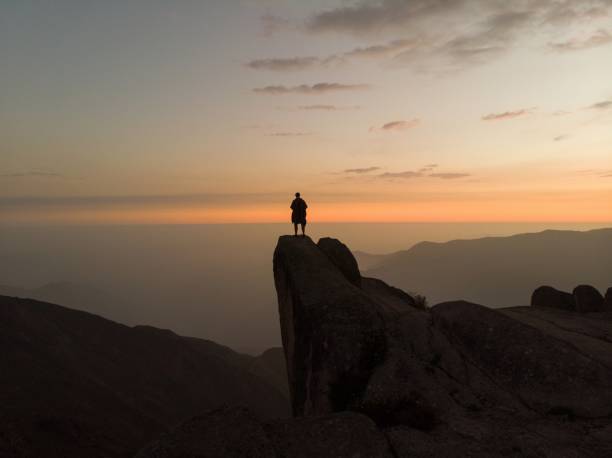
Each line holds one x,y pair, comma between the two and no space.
343,259
547,296
588,299
608,300
333,334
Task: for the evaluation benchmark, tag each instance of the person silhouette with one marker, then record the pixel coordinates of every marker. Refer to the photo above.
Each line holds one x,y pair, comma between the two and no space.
298,214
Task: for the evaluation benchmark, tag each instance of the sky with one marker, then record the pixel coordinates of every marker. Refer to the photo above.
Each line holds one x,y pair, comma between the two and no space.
137,112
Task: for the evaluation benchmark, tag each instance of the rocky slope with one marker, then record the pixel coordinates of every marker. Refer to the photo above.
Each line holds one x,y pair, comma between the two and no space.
373,375
73,384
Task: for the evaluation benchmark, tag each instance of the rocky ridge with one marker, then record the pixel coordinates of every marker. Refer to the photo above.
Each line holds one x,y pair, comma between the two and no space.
370,374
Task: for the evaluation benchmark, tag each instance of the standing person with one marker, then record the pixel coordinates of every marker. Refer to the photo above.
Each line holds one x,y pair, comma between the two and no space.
298,214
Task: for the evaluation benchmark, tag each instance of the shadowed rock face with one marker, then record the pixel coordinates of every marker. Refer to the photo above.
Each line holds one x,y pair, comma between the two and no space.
333,333
339,254
74,384
237,433
459,379
588,299
547,296
584,299
608,300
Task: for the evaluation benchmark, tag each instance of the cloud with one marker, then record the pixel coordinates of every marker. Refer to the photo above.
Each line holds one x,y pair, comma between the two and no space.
449,176
373,17
560,138
289,134
506,115
609,175
297,63
408,174
600,38
428,168
32,173
397,126
363,170
380,50
461,33
319,88
605,105
327,108
284,64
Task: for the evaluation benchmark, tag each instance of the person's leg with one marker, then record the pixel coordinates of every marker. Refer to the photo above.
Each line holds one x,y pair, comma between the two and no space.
303,228
295,228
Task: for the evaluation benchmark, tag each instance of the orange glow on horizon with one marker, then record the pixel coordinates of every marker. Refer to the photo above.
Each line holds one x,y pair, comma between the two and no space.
494,208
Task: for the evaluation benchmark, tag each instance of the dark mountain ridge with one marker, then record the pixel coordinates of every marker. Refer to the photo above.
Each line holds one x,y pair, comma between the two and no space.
499,271
74,384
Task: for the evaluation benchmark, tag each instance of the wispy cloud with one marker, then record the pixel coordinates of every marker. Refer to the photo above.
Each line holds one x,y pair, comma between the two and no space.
296,63
493,27
428,168
32,173
382,50
289,134
284,64
319,88
605,105
506,115
362,170
449,176
424,172
560,138
408,174
397,126
600,38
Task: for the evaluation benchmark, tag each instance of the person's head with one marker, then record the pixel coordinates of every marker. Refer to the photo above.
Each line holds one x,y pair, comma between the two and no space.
297,194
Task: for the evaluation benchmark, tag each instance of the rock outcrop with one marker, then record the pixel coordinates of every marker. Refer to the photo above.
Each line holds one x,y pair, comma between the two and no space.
343,259
608,300
547,296
588,299
237,433
584,299
457,380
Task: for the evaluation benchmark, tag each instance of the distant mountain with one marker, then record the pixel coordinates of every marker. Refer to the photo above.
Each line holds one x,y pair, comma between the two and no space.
78,296
498,271
73,384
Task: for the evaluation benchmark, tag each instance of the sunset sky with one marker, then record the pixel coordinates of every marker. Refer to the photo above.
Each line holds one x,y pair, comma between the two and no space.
384,110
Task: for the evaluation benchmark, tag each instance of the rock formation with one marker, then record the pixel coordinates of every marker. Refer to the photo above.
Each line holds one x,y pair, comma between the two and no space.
608,300
457,380
584,299
547,296
588,299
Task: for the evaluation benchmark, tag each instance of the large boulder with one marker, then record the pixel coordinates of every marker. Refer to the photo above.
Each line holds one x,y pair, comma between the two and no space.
547,296
332,332
341,256
608,300
588,299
